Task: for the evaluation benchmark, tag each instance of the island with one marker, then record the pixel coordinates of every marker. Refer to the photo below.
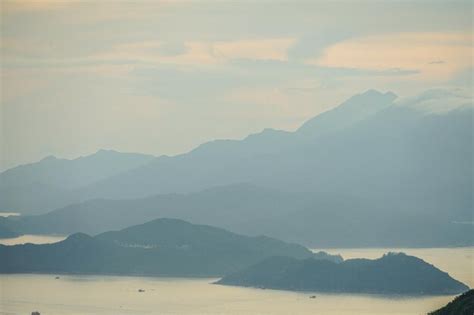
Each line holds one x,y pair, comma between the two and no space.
162,247
394,273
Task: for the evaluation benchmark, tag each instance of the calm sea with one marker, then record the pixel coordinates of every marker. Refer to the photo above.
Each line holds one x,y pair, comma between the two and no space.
22,294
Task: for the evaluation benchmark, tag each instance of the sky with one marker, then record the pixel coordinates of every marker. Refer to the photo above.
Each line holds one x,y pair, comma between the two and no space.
162,77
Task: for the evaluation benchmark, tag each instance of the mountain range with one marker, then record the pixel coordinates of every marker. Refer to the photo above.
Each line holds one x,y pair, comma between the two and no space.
368,167
50,183
317,221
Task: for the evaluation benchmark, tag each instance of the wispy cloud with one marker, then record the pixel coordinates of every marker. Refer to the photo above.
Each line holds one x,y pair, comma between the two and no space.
437,62
167,75
403,52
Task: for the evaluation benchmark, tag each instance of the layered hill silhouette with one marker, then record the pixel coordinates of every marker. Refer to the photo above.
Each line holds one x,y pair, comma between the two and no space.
166,247
394,273
367,159
50,183
315,220
392,155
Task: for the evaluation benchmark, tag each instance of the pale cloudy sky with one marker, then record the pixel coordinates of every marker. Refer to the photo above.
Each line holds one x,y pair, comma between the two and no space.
162,77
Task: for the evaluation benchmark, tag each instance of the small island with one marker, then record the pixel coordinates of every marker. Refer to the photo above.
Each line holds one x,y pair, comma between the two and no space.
394,273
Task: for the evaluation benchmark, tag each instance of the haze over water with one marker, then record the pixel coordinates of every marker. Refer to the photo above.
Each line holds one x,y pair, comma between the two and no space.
77,294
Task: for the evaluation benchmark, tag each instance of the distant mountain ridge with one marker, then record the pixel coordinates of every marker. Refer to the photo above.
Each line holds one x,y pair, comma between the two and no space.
49,183
71,173
395,152
140,177
368,160
318,221
357,108
225,162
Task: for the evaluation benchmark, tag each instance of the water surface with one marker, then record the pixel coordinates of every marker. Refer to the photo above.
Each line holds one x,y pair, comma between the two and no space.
8,214
33,239
22,294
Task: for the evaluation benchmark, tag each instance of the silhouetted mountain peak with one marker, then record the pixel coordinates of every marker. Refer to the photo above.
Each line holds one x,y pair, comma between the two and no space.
49,158
165,222
78,238
105,151
357,108
372,100
371,93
